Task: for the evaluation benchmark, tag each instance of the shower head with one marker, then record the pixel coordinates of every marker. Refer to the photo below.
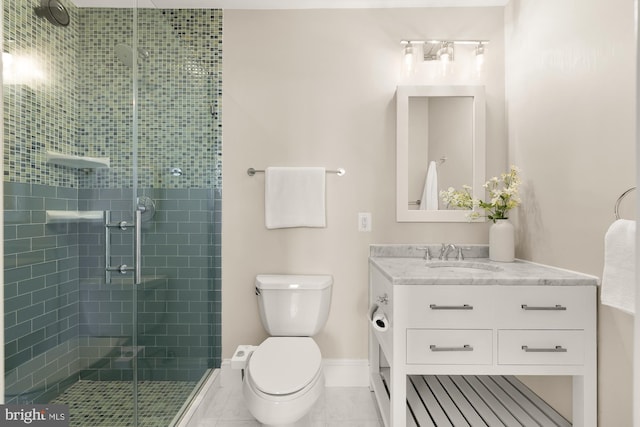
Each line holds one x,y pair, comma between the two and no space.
54,12
125,54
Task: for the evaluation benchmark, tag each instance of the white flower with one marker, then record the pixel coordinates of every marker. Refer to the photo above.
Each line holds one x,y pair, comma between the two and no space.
503,194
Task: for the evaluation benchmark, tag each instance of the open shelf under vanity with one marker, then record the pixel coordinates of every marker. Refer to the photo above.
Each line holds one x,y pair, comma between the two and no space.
472,400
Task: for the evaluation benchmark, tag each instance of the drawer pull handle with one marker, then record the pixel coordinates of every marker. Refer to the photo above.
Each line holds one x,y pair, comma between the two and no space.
556,307
465,347
451,307
556,349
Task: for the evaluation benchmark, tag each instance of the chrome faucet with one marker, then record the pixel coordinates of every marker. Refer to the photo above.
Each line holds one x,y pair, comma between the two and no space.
444,251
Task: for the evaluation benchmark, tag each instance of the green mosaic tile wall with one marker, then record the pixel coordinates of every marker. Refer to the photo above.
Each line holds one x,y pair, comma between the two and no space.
41,113
179,97
83,103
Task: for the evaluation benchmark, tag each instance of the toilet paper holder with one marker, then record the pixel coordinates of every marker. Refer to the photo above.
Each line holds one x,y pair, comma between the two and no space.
378,318
384,299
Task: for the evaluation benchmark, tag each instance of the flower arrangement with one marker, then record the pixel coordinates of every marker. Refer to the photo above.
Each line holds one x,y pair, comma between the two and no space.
503,193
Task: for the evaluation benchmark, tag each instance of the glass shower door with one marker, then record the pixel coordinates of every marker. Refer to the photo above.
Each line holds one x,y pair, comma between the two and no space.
178,168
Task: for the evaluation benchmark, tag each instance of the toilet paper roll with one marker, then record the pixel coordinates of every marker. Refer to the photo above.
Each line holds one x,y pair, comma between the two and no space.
379,320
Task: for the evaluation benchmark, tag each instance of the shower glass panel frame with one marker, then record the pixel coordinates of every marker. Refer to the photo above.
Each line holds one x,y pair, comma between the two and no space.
141,87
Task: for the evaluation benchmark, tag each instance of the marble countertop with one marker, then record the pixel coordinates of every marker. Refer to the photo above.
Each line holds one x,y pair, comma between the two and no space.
401,266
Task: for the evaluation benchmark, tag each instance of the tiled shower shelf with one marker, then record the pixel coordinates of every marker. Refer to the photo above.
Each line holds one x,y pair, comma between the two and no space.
78,162
74,216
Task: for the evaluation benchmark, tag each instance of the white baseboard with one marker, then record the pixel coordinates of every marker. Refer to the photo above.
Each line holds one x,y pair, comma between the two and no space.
346,372
337,373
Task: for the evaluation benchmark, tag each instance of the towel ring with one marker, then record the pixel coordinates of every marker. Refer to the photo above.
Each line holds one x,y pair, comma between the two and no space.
617,205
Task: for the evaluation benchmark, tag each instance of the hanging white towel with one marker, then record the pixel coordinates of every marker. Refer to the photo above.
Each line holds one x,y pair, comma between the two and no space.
294,197
619,275
429,199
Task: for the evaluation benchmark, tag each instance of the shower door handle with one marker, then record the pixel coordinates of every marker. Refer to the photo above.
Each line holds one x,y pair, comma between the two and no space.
137,246
107,247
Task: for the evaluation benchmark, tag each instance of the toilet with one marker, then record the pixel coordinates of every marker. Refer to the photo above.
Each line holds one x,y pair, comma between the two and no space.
283,377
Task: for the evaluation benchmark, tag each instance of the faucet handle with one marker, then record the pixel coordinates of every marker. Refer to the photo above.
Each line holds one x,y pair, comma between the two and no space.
427,254
460,256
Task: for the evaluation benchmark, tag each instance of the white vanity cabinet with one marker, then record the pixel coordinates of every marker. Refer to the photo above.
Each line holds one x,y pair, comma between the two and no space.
494,327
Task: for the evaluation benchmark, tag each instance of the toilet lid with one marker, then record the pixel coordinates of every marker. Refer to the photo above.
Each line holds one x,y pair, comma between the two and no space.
284,365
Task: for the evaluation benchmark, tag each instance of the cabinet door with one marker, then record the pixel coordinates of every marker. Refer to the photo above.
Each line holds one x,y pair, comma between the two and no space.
450,347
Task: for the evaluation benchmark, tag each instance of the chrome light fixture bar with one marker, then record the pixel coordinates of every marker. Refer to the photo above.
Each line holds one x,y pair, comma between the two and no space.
440,41
443,50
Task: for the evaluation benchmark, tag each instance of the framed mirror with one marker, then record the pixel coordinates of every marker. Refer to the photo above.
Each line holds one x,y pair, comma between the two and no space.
440,143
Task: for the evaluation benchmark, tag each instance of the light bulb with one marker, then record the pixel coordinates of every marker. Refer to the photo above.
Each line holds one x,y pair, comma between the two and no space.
445,53
479,57
409,59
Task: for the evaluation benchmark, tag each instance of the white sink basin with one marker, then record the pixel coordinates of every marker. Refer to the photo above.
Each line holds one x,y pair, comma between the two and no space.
463,267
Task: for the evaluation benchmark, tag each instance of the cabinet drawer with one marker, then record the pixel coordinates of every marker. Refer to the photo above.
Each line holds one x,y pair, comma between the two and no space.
443,307
540,347
554,307
450,347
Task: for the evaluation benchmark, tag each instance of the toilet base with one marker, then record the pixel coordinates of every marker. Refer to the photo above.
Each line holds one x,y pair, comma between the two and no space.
281,411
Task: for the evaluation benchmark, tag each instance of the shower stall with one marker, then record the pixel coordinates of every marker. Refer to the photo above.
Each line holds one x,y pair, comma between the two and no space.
112,208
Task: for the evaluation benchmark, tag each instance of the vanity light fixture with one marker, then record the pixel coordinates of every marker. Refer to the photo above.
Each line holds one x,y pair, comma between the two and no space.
442,50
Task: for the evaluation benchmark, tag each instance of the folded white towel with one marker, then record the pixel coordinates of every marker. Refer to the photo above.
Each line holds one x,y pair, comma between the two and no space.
429,199
294,197
619,274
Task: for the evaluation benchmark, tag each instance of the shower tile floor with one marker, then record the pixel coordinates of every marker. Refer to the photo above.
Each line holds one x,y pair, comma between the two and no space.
338,407
109,403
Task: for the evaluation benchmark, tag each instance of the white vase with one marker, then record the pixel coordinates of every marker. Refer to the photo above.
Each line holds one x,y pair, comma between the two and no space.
502,241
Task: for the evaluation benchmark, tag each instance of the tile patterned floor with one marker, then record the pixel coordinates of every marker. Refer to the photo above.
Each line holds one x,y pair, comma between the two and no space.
338,407
109,403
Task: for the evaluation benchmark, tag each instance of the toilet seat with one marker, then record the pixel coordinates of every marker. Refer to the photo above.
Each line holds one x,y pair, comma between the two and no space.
284,365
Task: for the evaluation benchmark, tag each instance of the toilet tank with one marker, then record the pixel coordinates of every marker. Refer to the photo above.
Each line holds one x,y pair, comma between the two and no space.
293,305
